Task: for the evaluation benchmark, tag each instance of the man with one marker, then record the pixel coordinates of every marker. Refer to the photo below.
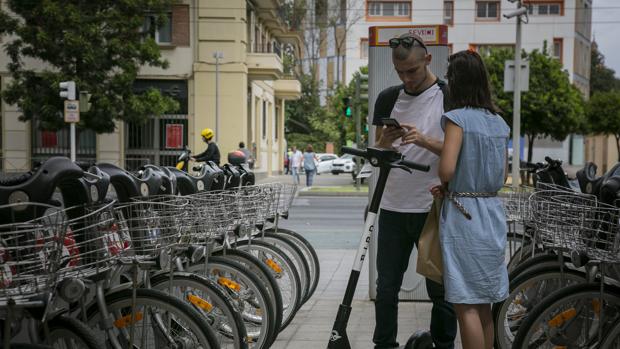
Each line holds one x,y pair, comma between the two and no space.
249,159
296,160
417,105
213,152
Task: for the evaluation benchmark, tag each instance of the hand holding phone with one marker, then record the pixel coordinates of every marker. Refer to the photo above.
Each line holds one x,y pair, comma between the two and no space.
390,122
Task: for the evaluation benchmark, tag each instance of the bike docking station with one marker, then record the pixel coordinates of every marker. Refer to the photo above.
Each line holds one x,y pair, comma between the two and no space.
384,160
381,75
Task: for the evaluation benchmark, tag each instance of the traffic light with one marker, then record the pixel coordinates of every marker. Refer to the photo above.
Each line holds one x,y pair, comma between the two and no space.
67,90
346,101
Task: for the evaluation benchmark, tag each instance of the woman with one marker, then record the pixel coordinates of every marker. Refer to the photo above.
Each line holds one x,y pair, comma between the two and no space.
473,168
309,162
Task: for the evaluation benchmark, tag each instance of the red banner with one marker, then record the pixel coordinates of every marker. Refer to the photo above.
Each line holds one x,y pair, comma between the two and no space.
174,136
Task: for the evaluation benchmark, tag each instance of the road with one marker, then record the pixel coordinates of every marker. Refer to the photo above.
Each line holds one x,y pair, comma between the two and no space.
328,222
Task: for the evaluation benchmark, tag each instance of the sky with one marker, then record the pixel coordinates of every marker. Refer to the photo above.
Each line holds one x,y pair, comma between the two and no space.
606,31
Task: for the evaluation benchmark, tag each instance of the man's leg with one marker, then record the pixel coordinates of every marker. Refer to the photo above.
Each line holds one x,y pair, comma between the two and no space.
443,316
393,252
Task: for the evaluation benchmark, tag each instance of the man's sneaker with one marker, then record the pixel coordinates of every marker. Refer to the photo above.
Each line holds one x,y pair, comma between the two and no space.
420,340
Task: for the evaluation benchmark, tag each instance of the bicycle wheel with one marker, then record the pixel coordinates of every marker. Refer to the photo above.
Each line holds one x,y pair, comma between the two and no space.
68,333
571,317
210,301
295,254
249,295
526,291
612,340
283,269
547,260
157,321
310,254
262,271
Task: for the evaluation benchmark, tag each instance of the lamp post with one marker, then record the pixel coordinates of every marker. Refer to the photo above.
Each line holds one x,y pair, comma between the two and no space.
217,55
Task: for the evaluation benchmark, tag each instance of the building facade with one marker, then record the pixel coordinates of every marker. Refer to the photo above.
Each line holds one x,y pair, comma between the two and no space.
565,25
252,91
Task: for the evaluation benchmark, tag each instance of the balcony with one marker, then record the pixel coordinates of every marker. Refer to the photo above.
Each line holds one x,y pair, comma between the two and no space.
288,88
264,62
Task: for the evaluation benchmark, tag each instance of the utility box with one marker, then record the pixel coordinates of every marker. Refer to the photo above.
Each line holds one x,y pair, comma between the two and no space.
381,74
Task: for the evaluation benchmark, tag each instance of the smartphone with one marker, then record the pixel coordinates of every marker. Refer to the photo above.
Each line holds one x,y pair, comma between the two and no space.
390,122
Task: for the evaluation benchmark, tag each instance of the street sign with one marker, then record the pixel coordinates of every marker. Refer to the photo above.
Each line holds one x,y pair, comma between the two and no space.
509,76
72,111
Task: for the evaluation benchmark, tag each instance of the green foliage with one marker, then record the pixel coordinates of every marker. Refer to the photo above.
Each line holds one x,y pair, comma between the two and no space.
603,111
552,107
602,78
97,44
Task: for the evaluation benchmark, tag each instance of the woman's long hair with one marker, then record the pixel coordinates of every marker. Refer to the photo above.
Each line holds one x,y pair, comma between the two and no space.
468,82
309,148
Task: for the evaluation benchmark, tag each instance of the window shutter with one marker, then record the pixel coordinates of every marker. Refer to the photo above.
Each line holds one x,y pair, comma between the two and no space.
180,25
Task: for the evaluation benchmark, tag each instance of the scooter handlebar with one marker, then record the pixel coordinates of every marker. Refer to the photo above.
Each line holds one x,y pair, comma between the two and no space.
355,151
415,166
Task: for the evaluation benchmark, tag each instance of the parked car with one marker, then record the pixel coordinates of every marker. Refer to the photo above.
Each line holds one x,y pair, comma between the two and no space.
325,162
344,164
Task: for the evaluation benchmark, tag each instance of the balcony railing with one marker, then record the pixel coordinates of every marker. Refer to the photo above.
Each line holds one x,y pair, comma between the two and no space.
271,47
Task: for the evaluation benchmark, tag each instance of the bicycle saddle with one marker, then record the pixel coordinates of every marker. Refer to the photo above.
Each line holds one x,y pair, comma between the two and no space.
128,185
552,173
210,176
37,185
186,184
589,183
233,176
169,180
247,176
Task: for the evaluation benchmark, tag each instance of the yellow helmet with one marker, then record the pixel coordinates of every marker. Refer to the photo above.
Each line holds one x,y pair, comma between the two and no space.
207,133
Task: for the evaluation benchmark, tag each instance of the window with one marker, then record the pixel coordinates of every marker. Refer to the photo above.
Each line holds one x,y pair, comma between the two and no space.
161,34
448,12
487,10
545,9
557,48
389,9
364,48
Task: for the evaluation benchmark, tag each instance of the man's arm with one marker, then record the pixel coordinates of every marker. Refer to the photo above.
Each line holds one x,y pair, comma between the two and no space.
414,136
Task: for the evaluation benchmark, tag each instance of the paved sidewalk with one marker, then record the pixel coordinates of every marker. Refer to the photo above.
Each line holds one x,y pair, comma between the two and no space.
312,325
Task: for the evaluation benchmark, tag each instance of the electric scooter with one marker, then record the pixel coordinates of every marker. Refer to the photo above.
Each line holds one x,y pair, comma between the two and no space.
385,160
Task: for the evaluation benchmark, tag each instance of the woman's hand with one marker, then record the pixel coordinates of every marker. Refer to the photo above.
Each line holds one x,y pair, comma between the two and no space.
437,191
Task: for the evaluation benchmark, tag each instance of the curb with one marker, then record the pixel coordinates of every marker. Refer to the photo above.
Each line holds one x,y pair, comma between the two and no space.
334,194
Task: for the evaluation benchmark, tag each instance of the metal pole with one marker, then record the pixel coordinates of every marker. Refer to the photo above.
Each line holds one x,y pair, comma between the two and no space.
358,130
516,119
217,55
72,137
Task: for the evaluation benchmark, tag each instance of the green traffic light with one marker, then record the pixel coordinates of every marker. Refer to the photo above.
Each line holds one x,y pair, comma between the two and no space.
348,112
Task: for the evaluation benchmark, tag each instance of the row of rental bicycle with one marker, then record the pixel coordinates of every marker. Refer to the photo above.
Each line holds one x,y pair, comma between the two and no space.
94,256
564,267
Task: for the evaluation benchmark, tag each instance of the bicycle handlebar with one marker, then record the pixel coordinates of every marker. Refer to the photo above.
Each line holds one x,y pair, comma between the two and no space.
415,166
355,151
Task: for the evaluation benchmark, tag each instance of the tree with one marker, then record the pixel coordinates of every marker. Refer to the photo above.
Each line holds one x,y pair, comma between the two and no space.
97,44
552,107
602,78
603,111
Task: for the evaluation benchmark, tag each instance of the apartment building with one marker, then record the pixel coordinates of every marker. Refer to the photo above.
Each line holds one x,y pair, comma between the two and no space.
565,25
252,90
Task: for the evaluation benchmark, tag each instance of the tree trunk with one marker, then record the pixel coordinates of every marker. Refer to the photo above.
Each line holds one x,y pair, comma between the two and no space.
530,146
618,145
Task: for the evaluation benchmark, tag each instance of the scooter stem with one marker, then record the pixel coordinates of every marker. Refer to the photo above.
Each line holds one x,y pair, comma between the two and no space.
338,338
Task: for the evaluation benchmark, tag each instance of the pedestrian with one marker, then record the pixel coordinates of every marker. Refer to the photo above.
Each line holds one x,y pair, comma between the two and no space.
249,159
212,153
287,161
417,105
472,169
309,162
296,160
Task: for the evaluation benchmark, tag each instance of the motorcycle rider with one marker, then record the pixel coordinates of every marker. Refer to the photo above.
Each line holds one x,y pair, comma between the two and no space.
212,153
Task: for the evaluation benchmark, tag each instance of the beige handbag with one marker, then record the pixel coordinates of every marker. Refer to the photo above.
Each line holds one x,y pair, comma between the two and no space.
430,261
